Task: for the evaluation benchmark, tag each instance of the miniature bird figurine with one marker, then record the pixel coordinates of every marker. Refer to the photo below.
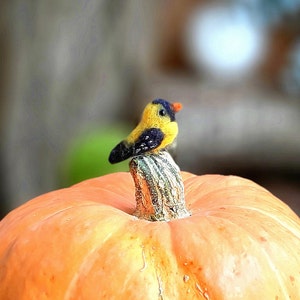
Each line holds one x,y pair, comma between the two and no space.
157,130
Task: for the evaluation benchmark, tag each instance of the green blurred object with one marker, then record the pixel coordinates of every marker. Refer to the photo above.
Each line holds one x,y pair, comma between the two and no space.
87,156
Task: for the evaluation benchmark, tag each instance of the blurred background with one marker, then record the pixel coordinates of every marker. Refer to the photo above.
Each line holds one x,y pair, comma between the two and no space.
76,75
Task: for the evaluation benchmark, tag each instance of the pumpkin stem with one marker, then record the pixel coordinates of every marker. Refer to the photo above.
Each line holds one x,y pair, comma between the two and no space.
159,189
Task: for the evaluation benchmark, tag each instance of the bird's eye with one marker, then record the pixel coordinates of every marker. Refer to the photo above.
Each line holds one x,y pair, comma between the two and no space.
162,112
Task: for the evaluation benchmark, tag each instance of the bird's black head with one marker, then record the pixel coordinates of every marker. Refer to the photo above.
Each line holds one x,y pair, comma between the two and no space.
167,106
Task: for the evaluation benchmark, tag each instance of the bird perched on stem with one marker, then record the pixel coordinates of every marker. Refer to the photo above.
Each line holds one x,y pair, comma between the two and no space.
157,130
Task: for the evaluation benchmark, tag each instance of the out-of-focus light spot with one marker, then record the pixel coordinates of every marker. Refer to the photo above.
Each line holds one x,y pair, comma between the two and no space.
224,41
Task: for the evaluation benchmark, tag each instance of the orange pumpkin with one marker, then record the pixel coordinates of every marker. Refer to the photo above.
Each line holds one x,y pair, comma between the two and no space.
83,242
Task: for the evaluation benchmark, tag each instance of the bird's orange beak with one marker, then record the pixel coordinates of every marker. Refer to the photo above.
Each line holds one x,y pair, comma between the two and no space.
176,106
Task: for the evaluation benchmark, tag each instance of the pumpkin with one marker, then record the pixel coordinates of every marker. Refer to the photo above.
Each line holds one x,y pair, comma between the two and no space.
83,242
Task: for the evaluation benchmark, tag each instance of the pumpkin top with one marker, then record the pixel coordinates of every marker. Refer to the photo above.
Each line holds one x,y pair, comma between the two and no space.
240,242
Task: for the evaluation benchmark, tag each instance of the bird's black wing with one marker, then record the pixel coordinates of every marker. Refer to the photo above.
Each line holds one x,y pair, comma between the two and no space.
121,152
150,139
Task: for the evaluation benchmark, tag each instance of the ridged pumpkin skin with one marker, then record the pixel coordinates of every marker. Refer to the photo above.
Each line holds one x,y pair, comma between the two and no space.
82,242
